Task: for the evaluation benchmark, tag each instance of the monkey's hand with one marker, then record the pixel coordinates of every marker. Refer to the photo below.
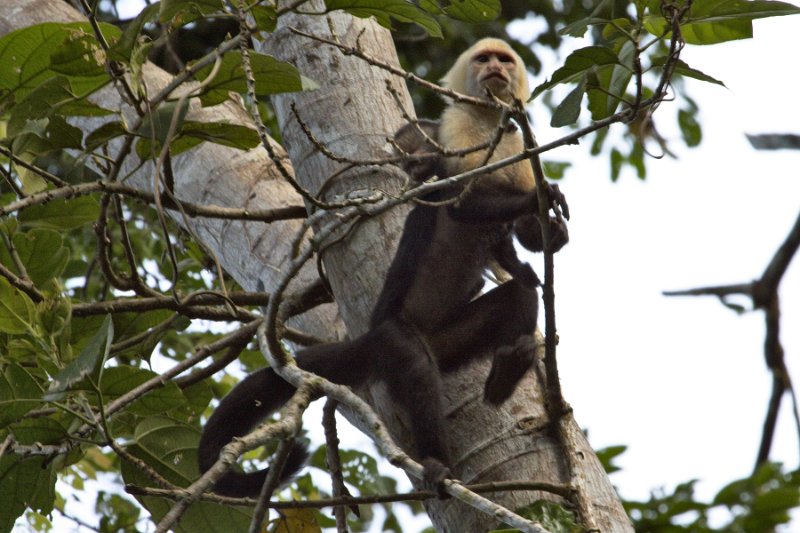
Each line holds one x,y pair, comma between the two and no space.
529,232
556,200
433,475
508,366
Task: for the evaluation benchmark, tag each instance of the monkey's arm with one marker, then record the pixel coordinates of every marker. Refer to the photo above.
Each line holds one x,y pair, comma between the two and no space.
492,208
498,203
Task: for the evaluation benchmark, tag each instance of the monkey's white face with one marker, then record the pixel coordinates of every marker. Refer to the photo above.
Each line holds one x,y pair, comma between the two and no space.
495,71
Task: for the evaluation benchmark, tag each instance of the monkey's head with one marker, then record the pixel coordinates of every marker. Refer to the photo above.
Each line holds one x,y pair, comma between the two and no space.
490,64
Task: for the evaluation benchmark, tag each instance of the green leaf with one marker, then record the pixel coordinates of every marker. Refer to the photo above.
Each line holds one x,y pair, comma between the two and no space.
105,133
359,470
19,393
616,163
39,430
27,55
777,501
79,55
88,364
295,520
123,48
170,448
147,329
198,396
552,516
271,77
555,170
614,83
55,96
120,380
619,27
685,70
577,64
201,516
607,456
27,483
61,214
717,21
43,253
233,135
431,6
474,11
266,17
177,13
690,128
386,10
171,444
17,312
568,111
579,27
40,136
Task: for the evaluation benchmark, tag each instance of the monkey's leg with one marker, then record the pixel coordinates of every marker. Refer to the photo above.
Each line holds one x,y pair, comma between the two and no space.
404,363
501,322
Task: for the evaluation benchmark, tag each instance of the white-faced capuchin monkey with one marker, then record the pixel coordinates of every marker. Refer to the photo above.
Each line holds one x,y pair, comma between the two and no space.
427,319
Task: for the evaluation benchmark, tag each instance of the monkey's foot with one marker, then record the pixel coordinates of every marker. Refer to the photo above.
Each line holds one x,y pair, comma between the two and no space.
508,366
433,475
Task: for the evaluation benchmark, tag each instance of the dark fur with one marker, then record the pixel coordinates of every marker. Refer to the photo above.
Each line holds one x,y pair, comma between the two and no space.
425,322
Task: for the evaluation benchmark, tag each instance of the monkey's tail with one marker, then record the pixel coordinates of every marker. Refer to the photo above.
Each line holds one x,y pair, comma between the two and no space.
251,401
262,393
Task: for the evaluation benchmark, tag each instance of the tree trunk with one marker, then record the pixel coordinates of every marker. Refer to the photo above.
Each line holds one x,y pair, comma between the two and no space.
352,114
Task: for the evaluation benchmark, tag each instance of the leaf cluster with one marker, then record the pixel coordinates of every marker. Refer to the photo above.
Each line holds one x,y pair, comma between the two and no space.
760,502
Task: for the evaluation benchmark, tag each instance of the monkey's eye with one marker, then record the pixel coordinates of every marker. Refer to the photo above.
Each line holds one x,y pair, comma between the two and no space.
482,58
505,58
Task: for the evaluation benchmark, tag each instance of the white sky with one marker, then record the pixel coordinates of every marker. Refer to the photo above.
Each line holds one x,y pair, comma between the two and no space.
682,381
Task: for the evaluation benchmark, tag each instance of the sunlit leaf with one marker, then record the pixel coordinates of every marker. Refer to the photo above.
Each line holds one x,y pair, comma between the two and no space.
568,111
271,77
717,21
88,364
386,10
19,393
61,214
474,11
17,312
577,64
29,56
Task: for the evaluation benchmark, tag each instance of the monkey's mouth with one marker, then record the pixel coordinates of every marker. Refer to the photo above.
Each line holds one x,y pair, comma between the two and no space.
496,81
495,75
